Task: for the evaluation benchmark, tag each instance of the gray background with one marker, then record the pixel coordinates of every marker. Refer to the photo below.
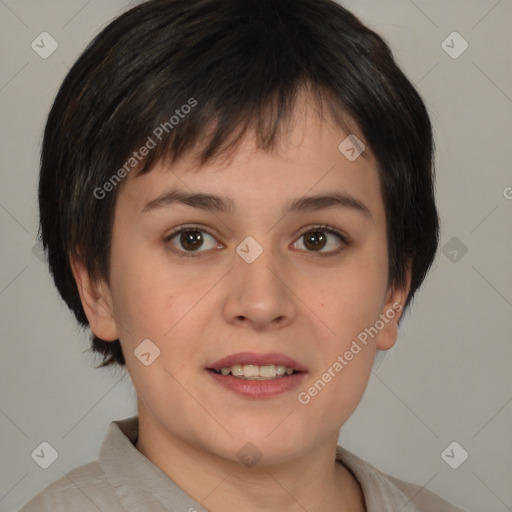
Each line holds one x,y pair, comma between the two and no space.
448,379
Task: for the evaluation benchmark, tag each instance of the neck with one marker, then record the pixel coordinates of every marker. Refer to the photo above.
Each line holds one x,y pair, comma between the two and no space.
311,481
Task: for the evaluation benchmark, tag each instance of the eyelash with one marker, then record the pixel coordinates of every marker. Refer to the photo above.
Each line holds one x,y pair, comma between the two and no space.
326,228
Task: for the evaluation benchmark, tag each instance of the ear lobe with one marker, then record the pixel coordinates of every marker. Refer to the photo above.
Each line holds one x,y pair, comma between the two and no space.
391,313
96,301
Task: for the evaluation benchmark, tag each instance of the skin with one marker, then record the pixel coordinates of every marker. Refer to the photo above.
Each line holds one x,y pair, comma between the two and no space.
289,300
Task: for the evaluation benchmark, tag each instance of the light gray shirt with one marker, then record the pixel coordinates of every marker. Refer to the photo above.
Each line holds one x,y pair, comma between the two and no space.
124,480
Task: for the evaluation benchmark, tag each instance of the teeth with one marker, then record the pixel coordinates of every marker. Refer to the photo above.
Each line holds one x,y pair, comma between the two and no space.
237,370
280,370
253,372
250,370
266,371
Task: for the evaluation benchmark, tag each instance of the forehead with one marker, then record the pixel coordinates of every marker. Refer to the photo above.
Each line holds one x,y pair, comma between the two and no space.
312,156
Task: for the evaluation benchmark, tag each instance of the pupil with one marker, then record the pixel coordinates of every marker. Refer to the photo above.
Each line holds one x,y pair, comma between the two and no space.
191,240
315,240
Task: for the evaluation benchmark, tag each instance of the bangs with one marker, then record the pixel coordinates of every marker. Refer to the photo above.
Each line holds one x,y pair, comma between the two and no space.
204,140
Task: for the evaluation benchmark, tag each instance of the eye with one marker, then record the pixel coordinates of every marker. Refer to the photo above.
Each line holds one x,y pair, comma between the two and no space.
188,240
318,238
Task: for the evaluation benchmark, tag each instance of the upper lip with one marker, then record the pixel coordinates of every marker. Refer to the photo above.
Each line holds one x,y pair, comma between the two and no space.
257,360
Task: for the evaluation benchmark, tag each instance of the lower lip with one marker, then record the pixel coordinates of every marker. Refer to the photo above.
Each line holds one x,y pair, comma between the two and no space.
258,388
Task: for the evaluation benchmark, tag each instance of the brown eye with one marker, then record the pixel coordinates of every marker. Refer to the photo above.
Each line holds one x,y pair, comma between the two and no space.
187,241
191,240
315,240
319,238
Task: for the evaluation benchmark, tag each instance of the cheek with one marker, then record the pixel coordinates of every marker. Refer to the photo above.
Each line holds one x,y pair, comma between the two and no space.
351,302
332,394
161,302
339,380
352,298
143,289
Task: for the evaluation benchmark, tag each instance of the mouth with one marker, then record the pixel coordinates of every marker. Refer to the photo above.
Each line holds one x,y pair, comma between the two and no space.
257,375
251,365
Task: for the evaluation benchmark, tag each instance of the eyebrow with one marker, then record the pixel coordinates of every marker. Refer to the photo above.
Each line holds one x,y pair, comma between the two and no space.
212,203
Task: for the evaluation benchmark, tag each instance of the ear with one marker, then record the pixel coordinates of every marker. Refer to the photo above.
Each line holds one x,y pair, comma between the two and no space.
391,313
96,301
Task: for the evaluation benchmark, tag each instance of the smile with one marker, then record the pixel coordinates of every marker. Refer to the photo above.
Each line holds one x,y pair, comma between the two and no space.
256,376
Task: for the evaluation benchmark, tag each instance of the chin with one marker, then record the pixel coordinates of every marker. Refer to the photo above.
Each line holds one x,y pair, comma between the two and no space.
275,448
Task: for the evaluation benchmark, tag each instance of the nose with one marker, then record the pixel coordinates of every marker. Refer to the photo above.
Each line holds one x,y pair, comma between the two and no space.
260,293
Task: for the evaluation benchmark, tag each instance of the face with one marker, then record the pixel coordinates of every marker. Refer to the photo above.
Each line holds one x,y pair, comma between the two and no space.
268,273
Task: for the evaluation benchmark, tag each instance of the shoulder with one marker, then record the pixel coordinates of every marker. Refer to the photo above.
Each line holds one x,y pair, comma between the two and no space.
423,499
383,492
84,489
